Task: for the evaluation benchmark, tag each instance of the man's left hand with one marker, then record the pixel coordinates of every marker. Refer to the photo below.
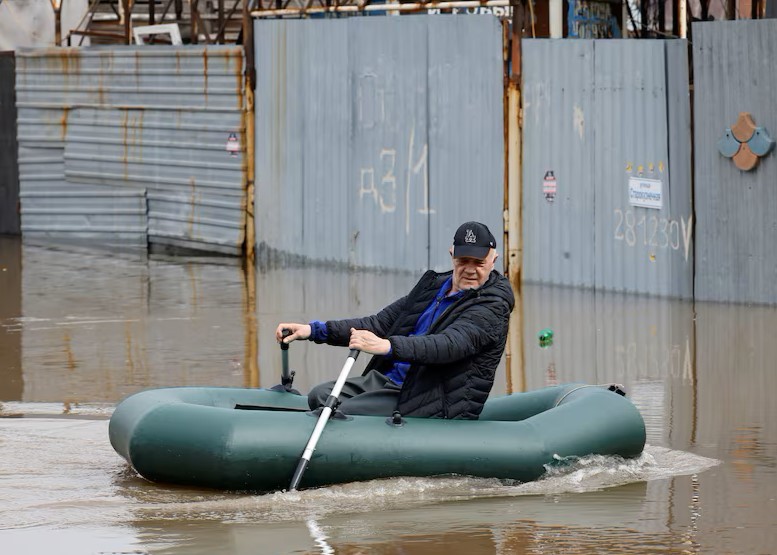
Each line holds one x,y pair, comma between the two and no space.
368,342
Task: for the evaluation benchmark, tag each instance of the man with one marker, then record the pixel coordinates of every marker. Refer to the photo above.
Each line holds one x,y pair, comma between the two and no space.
436,349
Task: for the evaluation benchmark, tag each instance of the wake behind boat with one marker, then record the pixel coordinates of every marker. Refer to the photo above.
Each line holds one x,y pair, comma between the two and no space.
251,439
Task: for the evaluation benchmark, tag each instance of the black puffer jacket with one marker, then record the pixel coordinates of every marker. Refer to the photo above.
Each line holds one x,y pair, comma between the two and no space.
453,364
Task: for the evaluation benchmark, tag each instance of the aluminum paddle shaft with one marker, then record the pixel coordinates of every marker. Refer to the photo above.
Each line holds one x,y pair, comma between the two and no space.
326,413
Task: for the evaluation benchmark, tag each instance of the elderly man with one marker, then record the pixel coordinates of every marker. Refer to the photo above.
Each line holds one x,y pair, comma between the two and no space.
436,349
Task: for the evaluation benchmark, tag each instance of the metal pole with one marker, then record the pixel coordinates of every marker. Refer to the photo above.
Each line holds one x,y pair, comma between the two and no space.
556,17
56,5
127,16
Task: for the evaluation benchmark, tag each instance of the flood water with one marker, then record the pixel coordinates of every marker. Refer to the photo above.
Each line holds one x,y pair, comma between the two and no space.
81,328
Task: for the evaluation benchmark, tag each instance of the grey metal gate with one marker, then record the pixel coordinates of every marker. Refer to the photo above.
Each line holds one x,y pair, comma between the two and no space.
376,137
606,165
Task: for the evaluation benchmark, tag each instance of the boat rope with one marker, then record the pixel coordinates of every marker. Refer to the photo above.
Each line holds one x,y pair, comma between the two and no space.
612,386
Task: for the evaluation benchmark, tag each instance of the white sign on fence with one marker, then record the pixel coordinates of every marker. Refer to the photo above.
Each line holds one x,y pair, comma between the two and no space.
645,193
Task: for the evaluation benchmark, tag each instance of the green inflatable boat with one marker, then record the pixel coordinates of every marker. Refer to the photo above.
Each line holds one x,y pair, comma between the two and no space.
252,439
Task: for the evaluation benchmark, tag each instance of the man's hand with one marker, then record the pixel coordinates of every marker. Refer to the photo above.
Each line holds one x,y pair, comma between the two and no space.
298,331
368,342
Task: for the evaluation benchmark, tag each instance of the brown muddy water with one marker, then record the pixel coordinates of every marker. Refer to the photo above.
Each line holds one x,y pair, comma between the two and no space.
82,328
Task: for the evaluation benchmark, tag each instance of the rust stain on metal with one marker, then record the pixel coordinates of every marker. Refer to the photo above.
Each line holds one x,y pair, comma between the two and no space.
63,121
513,240
205,74
245,103
69,60
249,238
100,93
132,137
101,88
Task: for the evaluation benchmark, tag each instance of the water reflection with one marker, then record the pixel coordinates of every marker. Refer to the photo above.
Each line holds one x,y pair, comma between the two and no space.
91,326
10,310
611,521
319,537
81,327
96,326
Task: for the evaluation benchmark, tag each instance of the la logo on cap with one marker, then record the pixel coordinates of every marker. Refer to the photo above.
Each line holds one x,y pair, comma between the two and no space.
469,237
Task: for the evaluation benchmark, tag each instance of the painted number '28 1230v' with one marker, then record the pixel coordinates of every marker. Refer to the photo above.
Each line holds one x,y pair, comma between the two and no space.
653,231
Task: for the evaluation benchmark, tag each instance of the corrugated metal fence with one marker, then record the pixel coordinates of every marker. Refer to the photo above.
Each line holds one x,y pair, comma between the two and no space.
376,137
734,71
606,165
130,144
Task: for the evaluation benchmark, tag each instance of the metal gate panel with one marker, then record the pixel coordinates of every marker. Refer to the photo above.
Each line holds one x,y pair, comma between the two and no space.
558,158
736,251
466,132
597,115
347,169
302,139
637,247
389,149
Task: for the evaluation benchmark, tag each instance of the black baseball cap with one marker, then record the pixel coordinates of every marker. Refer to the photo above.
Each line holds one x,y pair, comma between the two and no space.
473,239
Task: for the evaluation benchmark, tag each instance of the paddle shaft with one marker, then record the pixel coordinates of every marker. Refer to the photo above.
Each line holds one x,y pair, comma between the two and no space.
323,418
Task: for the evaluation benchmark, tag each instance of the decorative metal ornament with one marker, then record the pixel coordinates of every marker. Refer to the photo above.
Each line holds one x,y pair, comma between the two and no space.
745,143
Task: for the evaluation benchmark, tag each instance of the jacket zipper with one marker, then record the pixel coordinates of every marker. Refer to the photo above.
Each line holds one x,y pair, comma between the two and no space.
448,310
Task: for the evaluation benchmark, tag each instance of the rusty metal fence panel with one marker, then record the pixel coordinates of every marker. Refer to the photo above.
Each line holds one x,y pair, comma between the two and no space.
373,159
596,132
134,143
734,72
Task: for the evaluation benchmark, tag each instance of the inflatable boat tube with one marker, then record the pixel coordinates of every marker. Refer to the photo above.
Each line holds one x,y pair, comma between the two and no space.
252,439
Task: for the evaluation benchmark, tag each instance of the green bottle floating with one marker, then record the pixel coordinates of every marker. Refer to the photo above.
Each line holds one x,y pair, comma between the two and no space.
545,337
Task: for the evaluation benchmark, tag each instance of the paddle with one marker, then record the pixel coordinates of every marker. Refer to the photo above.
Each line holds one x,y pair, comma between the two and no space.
326,412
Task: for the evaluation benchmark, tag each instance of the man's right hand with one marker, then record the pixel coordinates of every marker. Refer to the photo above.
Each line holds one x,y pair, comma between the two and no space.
298,331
